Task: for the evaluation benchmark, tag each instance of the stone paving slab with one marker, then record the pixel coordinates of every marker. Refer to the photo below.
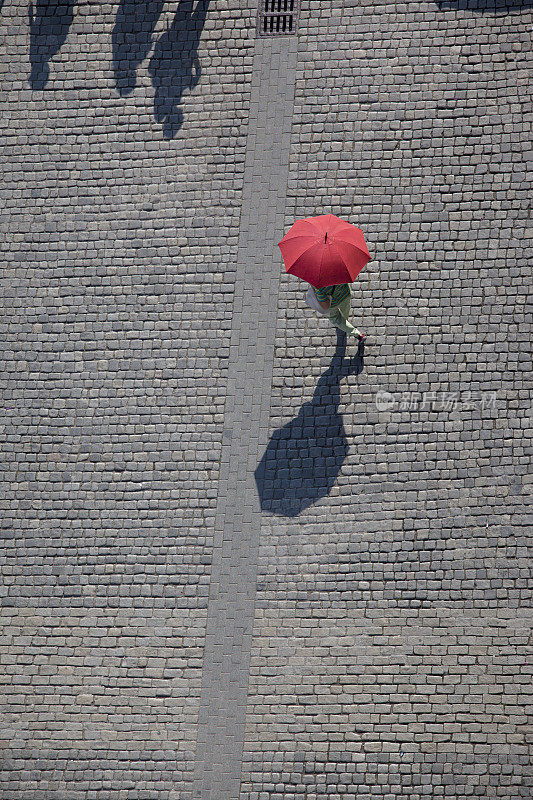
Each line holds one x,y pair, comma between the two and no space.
247,412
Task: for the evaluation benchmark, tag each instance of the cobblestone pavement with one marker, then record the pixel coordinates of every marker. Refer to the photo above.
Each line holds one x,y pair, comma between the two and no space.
237,566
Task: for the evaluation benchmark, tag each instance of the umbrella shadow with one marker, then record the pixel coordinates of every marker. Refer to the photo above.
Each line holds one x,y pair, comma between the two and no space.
132,39
303,459
50,21
487,6
174,66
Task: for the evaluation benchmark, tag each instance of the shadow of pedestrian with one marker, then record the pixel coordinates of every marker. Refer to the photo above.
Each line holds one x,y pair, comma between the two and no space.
174,66
489,6
132,39
303,459
50,21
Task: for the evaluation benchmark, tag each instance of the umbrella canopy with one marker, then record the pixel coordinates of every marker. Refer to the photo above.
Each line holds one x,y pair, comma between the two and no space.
324,250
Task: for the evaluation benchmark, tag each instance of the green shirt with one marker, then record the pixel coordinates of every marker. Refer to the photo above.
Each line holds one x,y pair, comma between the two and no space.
334,293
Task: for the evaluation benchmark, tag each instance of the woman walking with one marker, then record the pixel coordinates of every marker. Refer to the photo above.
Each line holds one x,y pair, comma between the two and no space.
325,251
336,300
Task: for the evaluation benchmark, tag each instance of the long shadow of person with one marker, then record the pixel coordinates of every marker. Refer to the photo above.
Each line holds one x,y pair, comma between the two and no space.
174,66
488,6
132,39
302,460
50,21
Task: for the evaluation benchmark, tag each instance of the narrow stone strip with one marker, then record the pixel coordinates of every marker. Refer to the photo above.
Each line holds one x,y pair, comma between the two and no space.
233,577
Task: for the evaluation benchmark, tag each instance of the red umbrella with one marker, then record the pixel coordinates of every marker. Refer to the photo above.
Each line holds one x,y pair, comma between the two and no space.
324,251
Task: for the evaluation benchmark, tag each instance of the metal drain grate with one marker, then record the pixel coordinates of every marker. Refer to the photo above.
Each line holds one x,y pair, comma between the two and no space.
277,17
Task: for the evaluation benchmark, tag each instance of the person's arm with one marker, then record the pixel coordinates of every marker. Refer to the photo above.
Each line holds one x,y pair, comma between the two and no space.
323,299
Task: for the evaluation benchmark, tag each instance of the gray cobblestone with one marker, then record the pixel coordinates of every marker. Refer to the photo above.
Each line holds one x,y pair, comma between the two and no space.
383,648
422,519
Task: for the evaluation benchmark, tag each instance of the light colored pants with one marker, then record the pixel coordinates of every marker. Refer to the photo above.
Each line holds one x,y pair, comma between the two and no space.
339,317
